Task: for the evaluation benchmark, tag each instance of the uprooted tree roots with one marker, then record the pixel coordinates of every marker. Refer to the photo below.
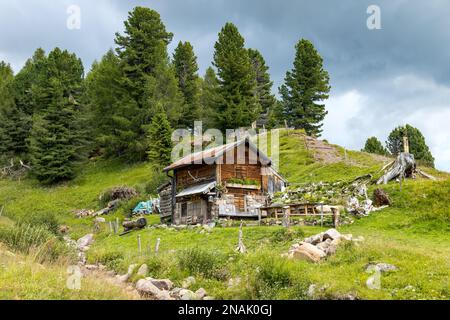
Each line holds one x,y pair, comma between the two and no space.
15,169
403,167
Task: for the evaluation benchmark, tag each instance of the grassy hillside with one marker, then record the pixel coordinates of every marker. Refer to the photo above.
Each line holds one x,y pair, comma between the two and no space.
412,234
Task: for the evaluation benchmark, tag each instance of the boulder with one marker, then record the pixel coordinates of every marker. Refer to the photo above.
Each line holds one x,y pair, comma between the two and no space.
143,270
146,287
186,294
381,198
324,245
122,278
315,239
162,284
308,252
85,241
331,234
200,293
188,282
164,295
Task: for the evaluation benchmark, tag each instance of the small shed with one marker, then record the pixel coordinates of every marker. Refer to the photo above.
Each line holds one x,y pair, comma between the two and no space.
232,180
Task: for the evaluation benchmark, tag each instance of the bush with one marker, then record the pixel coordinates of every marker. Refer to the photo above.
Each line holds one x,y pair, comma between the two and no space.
158,178
273,277
206,263
111,259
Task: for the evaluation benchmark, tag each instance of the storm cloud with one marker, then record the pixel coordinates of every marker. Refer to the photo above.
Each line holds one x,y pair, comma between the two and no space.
380,78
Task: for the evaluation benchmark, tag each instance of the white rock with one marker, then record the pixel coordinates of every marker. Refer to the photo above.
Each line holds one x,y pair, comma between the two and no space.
315,239
147,287
143,270
100,220
85,241
189,281
208,298
122,278
200,293
308,252
331,234
186,294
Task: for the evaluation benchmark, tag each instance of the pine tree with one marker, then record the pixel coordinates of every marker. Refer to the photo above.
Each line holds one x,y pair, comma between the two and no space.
306,85
186,68
147,78
417,144
160,138
142,49
110,108
209,98
238,105
373,145
57,135
14,123
263,83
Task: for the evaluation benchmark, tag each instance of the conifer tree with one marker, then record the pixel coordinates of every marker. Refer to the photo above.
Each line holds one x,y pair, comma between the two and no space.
209,97
417,144
57,135
373,145
160,138
306,86
238,105
14,123
263,83
186,68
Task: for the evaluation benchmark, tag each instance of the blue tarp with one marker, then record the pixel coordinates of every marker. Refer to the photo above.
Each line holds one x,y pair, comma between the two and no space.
147,207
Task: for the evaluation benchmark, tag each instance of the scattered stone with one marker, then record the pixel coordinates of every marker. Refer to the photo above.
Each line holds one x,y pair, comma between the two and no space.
200,293
122,278
381,267
234,282
315,239
189,281
100,220
308,252
85,241
381,198
162,284
146,287
143,270
186,294
91,267
331,234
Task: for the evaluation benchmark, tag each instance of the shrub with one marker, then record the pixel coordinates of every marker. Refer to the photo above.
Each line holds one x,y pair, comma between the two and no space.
158,178
206,263
111,259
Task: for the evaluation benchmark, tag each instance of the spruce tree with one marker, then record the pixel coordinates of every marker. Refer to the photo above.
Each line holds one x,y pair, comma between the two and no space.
57,135
142,48
147,78
238,105
186,68
160,138
417,144
209,97
305,87
373,145
263,83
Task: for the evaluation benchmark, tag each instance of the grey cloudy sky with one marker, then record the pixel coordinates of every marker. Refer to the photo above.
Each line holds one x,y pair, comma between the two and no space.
380,78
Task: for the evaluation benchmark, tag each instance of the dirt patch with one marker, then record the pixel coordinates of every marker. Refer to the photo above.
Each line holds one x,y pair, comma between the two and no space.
322,151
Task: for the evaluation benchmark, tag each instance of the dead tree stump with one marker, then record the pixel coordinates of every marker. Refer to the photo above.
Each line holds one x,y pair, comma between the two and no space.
381,198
